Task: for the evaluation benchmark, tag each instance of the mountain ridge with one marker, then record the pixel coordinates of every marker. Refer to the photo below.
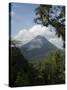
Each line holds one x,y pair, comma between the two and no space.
39,46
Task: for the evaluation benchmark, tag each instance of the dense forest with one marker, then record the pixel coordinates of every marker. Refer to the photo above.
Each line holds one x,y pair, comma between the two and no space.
46,72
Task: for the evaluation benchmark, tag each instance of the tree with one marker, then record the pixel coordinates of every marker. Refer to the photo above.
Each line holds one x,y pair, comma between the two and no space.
52,15
53,71
21,72
17,64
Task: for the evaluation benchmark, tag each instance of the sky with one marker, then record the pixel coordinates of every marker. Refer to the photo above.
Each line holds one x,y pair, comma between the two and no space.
24,29
22,16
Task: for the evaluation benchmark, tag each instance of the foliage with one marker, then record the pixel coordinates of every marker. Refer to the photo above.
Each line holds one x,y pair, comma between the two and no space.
52,15
52,69
21,72
48,71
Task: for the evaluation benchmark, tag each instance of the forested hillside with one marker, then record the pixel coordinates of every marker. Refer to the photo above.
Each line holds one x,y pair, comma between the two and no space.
49,71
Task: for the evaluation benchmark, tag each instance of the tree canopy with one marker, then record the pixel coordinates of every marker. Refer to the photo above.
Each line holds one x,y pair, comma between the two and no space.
52,15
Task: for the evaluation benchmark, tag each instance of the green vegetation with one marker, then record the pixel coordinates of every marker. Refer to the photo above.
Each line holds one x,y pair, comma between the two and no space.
21,72
52,15
52,69
48,71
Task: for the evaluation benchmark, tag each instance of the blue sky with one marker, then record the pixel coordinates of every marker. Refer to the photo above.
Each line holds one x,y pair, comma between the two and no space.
22,16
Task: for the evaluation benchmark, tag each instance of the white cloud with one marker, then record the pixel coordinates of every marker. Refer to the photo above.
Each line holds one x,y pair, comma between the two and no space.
57,42
26,35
